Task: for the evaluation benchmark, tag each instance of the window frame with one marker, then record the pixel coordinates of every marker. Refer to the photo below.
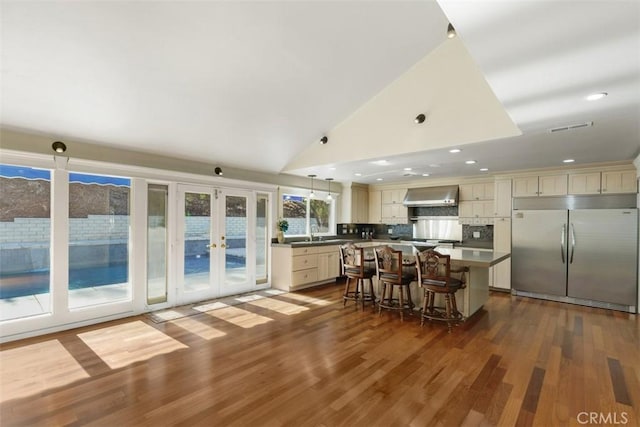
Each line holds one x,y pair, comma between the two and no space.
320,195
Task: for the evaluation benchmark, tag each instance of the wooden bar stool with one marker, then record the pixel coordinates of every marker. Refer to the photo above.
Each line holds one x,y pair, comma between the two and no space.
434,276
353,266
391,276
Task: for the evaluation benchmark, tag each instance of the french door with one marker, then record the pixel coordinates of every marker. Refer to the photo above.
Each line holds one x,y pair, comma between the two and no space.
216,242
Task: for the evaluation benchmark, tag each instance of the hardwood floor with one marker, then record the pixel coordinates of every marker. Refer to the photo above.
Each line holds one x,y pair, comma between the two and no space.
303,360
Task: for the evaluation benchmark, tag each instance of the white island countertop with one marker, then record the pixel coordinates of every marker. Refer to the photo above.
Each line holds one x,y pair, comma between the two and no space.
475,258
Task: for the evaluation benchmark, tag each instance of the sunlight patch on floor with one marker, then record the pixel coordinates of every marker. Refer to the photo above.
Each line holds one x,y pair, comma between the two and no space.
198,328
211,306
281,307
124,344
32,369
308,299
239,317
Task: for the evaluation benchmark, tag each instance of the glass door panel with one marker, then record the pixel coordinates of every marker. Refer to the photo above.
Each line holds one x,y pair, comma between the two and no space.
237,251
262,237
196,245
157,243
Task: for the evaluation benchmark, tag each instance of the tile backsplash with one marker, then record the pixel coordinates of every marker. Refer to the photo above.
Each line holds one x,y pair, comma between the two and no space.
486,232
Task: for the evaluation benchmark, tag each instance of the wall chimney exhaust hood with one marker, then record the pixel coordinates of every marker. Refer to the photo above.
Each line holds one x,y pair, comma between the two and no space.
432,196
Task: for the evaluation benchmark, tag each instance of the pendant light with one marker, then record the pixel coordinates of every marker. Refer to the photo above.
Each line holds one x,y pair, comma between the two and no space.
312,194
329,197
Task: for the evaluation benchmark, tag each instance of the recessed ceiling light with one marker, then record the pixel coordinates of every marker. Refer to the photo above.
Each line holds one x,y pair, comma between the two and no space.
455,150
568,161
378,179
470,162
484,169
358,174
425,174
434,165
332,169
407,169
380,162
596,96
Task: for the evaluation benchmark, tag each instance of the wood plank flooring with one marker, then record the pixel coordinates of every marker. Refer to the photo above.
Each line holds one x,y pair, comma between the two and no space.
303,360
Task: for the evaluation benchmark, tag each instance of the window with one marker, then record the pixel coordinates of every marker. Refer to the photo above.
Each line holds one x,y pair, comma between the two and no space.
262,234
25,241
306,216
98,239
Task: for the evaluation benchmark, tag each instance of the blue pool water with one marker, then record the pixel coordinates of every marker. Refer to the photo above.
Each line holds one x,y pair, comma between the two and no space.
32,283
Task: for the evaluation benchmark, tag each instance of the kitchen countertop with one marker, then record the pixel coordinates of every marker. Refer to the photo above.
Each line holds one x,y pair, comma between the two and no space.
466,256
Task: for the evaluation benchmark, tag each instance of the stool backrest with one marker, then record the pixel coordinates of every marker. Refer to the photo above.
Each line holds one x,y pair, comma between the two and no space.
352,259
388,262
432,265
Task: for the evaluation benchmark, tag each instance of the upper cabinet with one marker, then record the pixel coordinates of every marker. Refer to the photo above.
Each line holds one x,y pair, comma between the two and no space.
375,207
609,182
480,191
502,202
544,185
359,204
393,196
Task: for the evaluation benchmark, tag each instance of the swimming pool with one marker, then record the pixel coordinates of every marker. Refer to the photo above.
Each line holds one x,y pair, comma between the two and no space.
37,282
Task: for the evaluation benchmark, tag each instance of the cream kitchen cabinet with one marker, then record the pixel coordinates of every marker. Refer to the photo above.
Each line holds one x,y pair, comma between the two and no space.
357,205
393,197
501,272
619,182
609,182
478,191
394,214
328,262
544,185
502,201
297,268
392,209
477,212
375,207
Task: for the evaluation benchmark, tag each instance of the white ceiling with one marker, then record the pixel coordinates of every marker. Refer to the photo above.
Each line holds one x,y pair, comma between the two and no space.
255,84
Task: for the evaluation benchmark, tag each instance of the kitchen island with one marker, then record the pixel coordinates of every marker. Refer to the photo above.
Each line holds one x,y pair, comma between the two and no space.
288,277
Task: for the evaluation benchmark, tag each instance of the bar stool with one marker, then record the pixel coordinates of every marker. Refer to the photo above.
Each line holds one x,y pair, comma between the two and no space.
434,276
392,276
353,266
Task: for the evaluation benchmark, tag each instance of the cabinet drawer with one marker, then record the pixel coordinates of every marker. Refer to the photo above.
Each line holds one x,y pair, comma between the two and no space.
328,249
302,277
304,261
304,251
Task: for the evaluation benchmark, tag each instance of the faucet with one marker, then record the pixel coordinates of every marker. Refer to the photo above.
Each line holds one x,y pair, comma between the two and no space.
311,231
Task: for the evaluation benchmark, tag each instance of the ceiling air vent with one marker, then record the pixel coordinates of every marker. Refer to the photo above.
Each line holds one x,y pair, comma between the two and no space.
571,127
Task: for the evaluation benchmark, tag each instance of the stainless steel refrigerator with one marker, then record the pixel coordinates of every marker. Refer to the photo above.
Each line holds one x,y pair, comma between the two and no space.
581,250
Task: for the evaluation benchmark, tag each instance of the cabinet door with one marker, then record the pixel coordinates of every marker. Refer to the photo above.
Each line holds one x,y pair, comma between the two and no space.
375,207
502,274
487,190
359,205
399,195
465,192
333,267
502,202
526,186
552,185
502,235
478,209
387,197
465,209
619,182
584,183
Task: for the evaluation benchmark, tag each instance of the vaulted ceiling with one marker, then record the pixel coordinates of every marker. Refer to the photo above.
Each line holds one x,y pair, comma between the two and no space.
255,85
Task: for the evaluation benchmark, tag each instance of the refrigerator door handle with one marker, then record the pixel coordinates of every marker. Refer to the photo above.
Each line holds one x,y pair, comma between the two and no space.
562,234
573,242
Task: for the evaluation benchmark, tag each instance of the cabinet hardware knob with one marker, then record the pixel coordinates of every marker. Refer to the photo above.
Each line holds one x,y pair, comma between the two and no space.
223,245
213,245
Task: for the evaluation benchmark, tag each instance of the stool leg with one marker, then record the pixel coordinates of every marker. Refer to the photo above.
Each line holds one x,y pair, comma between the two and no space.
361,281
373,294
409,297
346,292
401,302
384,289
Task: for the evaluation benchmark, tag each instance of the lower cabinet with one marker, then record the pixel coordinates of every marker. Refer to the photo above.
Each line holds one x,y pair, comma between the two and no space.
298,268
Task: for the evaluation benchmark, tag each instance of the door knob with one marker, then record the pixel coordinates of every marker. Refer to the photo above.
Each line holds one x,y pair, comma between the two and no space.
213,245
